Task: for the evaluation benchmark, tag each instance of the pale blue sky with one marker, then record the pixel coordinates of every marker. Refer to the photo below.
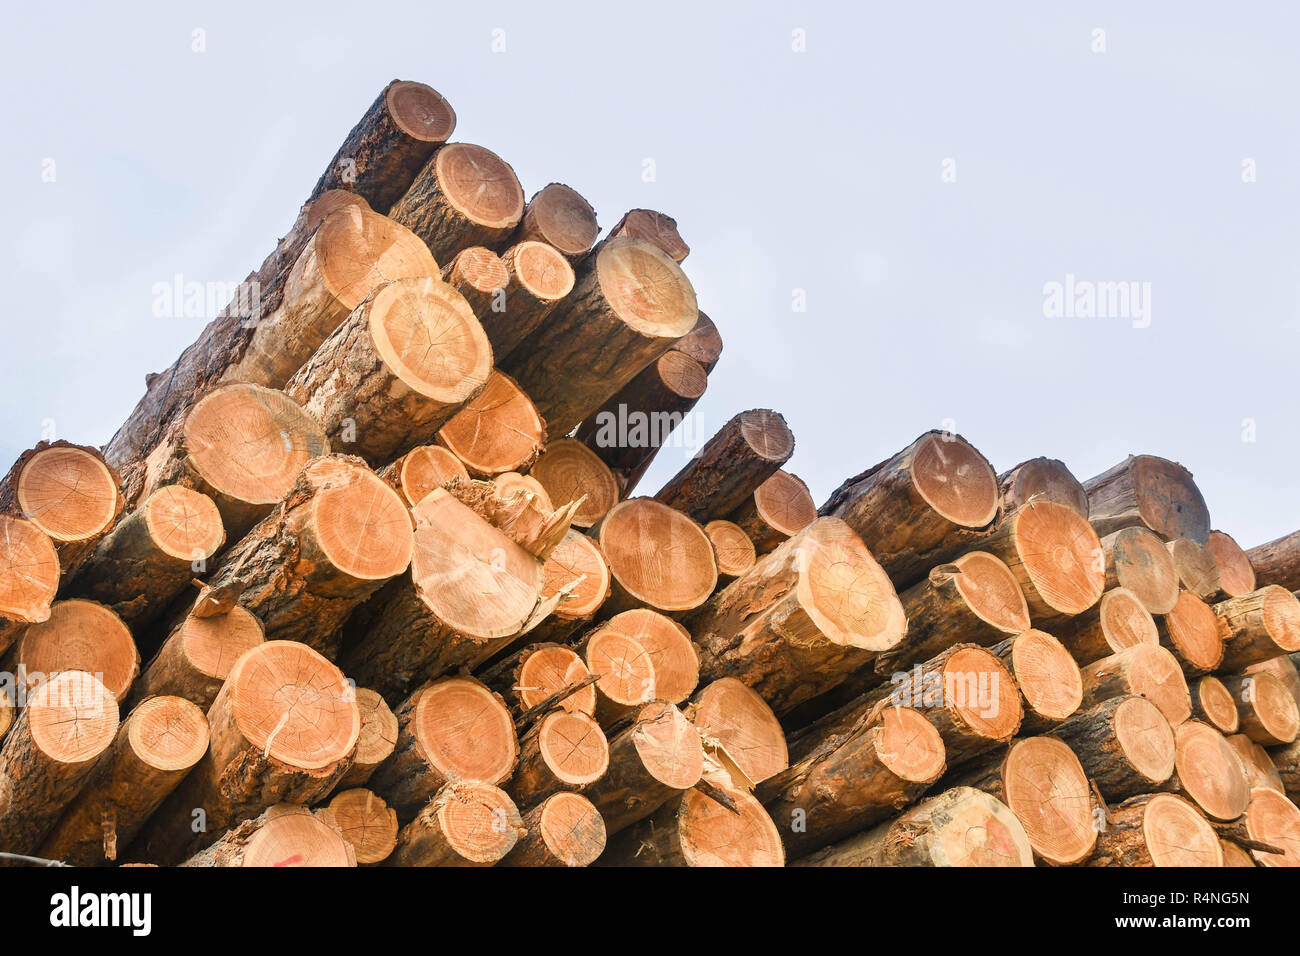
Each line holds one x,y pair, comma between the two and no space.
818,170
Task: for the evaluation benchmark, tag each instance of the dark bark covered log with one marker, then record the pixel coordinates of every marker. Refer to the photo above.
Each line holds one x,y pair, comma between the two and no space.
466,824
779,507
702,343
1191,632
1117,621
367,823
497,431
1209,771
1138,560
29,577
657,556
79,635
1051,687
1277,562
562,830
1143,669
196,657
1257,626
561,752
1150,492
653,227
1236,576
282,835
1157,830
922,507
569,470
558,216
697,830
421,470
1045,478
1267,712
1124,744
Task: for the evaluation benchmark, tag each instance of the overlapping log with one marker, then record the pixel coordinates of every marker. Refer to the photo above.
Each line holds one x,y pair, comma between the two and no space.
563,830
1271,820
1260,769
1213,703
668,645
1157,830
1198,572
367,823
1124,744
1284,669
538,278
558,216
421,470
732,549
626,672
375,743
650,226
467,823
1236,576
1191,631
658,558
728,712
1043,478
564,751
1117,621
527,678
79,635
1143,669
29,577
702,343
196,657
1138,560
570,471
779,507
1149,492
480,276
1277,562
1209,771
1256,626
281,835
497,431
1267,712
1050,684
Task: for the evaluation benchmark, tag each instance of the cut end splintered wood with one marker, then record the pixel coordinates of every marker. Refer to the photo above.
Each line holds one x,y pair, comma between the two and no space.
68,492
1275,820
294,705
29,573
420,111
464,731
1145,738
80,636
1044,478
549,669
72,717
653,227
658,556
1191,631
1150,491
571,828
1236,576
1214,703
577,564
168,733
1138,560
559,216
1197,570
1210,771
728,711
569,470
1175,834
1047,789
668,745
1047,675
675,662
499,430
512,481
367,822
573,748
732,548
184,524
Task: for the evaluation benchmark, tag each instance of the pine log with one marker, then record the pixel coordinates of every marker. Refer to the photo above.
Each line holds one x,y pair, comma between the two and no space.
650,226
69,721
241,445
1236,576
465,196
563,830
1213,703
283,729
973,599
854,778
1273,820
497,431
1138,560
1124,744
421,470
376,742
29,577
154,749
959,827
569,470
479,275
561,752
630,302
282,835
1157,830
367,823
1150,492
1191,632
1197,570
702,343
668,645
1235,855
1143,669
467,823
629,429
922,507
390,144
452,729
152,554
779,507
79,636
658,558
625,670
396,370
1042,782
537,279
740,721
1267,712
1257,626
339,534
1209,771
558,216
1286,760
732,550
524,516
657,758
803,619
196,657
1284,669
1051,686
67,491
1117,621
1277,562
1043,478
471,593
527,678
1260,769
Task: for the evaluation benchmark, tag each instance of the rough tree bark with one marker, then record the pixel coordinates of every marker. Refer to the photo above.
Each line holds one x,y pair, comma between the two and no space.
1150,492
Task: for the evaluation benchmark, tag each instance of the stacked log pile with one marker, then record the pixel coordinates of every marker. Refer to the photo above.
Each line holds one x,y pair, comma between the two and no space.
364,580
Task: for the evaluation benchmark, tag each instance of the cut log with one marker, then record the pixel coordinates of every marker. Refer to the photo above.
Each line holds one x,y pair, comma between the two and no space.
467,823
732,549
1260,769
196,657
375,744
1055,557
972,600
471,592
702,343
367,823
29,576
959,827
672,654
1042,782
558,216
1124,744
697,830
79,636
1236,576
1213,703
1277,562
744,453
537,279
1191,632
69,721
337,537
1117,621
282,835
626,672
152,554
630,303
155,748
241,445
1138,560
528,677
1284,669
561,752
1257,626
68,492
421,470
1157,830
1267,711
1234,855
630,428
1143,669
1286,761
569,470
1274,820
779,507
653,227
1051,686
1209,771
657,758
803,619
562,830
1197,570
1043,478
465,196
397,369
511,482
854,779
737,718
658,558
499,430
480,276
391,143
520,514
283,727
1148,492
922,507
452,729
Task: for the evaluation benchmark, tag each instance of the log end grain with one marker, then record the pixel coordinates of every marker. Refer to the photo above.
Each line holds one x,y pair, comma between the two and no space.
1210,771
366,822
569,470
29,572
497,431
1236,576
668,645
738,718
80,636
657,555
1047,789
68,492
1138,560
732,548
